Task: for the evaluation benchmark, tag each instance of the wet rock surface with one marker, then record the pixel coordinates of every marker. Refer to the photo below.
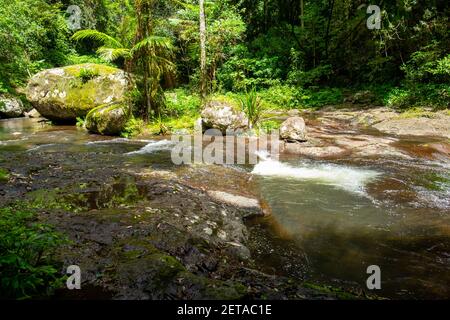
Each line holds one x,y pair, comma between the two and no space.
63,94
11,107
362,133
108,119
138,236
223,116
294,129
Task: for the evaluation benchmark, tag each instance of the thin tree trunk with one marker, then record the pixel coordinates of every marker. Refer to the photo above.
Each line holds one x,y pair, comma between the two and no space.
266,15
302,14
203,81
327,35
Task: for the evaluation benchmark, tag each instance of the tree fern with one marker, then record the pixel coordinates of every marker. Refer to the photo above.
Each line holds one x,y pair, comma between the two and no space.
101,37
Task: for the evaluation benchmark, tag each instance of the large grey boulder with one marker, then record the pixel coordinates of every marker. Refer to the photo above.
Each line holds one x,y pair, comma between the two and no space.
294,129
64,94
10,107
108,119
223,115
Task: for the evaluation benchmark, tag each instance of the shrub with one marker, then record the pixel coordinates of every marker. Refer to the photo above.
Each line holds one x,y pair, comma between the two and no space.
283,97
323,97
133,127
436,96
314,76
180,102
26,246
81,122
290,97
252,106
269,125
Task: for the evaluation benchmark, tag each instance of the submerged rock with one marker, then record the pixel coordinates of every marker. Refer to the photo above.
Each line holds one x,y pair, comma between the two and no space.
294,129
33,114
108,119
11,107
223,115
63,94
234,200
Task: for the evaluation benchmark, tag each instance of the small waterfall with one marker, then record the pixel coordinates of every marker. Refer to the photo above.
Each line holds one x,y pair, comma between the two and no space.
344,177
154,146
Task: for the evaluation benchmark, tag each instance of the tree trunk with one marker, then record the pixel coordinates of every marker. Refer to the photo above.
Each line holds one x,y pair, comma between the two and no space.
266,15
203,80
327,35
302,14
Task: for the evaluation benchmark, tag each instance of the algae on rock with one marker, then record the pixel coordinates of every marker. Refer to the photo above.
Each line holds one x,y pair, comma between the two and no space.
64,94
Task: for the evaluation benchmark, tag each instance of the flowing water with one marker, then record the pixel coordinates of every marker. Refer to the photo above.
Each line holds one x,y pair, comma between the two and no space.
330,219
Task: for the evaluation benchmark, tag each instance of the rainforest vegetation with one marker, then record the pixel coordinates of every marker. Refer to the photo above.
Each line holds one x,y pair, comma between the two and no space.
265,55
293,53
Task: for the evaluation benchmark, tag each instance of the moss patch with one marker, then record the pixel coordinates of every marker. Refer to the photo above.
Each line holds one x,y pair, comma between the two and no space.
4,175
161,274
417,113
95,69
108,119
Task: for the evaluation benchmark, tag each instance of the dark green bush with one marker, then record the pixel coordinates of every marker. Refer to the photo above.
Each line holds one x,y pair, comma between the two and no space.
26,247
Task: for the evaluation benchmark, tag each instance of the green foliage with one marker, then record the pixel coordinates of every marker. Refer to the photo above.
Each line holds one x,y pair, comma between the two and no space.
427,66
74,59
252,106
436,96
182,109
322,97
291,97
87,74
284,97
133,127
26,267
225,30
315,76
269,125
181,102
162,128
33,36
4,175
80,122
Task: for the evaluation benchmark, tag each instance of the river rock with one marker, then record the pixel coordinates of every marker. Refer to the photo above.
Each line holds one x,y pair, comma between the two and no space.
294,129
33,114
223,115
235,200
10,107
63,94
439,126
108,119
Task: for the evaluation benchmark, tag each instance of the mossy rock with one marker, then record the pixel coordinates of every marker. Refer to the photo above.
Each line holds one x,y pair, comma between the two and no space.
108,119
64,94
10,107
224,114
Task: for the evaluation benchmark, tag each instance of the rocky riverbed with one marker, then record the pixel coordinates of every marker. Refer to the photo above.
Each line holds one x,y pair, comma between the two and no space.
142,228
138,230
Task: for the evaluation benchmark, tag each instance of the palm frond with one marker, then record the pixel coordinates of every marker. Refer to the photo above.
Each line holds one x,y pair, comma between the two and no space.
112,54
153,43
97,36
188,6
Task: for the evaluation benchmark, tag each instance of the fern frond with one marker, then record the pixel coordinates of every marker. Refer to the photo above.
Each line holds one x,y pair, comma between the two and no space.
112,54
97,36
153,43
